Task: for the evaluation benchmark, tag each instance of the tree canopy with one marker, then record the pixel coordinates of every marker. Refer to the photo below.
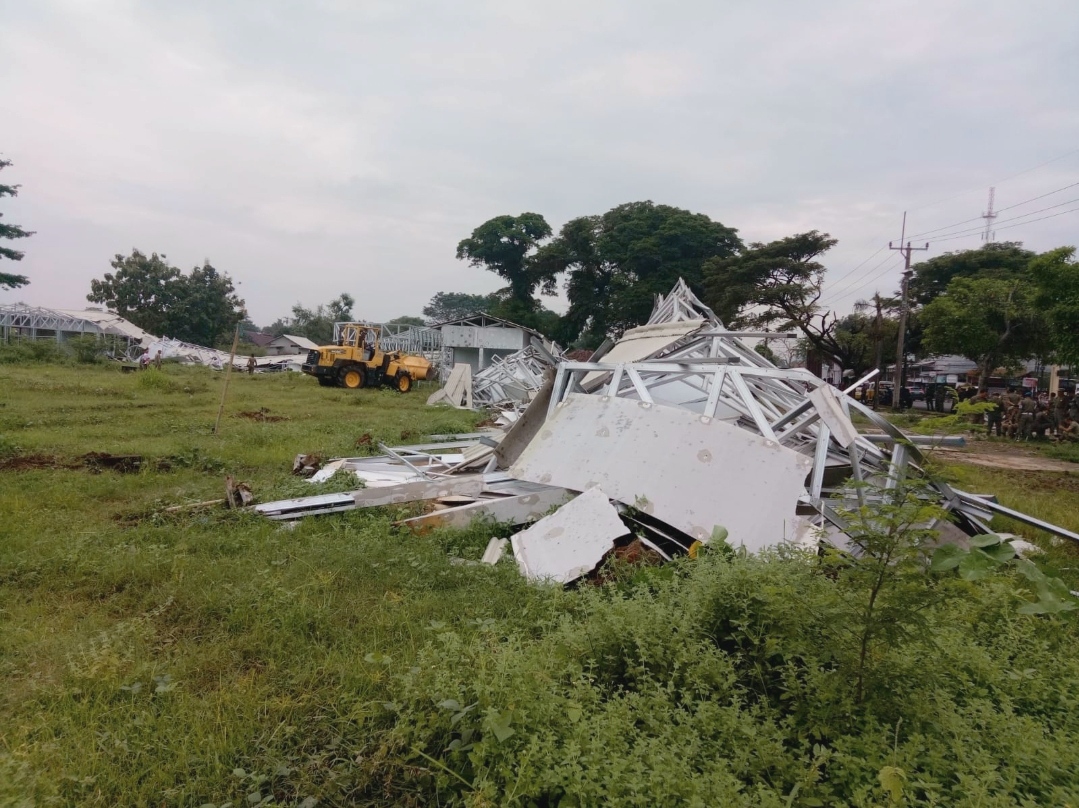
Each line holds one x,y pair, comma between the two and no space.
993,322
200,308
618,262
506,245
779,285
445,306
316,324
930,278
1057,275
10,232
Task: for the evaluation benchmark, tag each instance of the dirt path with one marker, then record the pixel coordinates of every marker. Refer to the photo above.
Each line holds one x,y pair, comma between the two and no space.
1004,455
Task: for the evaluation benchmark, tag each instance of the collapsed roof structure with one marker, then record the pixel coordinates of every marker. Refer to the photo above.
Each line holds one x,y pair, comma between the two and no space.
693,435
18,321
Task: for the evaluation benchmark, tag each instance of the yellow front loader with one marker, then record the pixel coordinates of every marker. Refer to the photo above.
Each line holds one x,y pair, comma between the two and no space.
357,360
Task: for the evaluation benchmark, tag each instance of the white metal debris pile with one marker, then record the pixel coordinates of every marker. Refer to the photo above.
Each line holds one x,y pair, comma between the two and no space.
510,382
680,433
190,354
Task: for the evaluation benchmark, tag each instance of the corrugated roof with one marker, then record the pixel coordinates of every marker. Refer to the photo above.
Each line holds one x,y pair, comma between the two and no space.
303,342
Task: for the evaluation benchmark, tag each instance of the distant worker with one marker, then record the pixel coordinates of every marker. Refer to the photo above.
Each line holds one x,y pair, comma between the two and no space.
251,363
1026,417
144,360
1069,430
157,360
994,418
939,394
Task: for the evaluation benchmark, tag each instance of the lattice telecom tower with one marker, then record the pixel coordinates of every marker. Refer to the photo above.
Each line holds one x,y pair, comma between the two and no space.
989,216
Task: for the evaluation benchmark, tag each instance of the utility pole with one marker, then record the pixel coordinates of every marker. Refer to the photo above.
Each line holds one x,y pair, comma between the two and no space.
905,251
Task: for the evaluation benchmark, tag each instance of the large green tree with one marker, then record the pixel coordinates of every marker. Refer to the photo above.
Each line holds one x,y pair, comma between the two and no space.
1056,274
445,306
778,285
201,308
929,279
618,262
994,322
10,232
506,245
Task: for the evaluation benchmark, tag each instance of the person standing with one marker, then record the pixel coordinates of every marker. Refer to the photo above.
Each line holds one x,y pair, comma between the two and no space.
994,416
251,363
1026,417
157,360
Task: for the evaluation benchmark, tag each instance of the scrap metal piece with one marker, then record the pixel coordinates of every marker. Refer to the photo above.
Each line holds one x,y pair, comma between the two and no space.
306,506
524,429
693,472
417,491
516,510
826,400
571,542
457,391
496,548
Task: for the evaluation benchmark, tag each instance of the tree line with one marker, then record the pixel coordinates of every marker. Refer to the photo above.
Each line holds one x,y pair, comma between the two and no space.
997,305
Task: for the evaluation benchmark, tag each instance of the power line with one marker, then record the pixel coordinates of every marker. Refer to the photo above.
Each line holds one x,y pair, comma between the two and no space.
1020,224
1012,219
1001,210
891,259
1033,198
866,261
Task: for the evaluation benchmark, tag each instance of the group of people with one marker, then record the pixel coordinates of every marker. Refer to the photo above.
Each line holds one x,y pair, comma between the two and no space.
1029,416
145,360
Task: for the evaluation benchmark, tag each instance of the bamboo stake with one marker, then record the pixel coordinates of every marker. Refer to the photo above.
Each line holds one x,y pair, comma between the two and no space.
228,374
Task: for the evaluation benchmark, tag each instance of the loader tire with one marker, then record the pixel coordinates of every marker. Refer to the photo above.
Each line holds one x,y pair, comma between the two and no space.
403,382
353,377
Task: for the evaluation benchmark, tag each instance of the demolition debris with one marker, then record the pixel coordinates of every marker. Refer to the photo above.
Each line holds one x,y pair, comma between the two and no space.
674,436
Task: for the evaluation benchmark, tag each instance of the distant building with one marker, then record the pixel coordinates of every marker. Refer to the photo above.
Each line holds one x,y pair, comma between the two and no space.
258,338
289,345
478,339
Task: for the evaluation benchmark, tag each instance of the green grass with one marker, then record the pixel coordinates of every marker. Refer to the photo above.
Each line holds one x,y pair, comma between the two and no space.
213,657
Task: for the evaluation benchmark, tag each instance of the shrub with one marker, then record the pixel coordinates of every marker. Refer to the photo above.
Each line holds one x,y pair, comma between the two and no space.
87,349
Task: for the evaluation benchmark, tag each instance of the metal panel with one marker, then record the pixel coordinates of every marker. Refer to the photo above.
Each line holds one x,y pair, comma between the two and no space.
694,472
465,336
571,541
516,510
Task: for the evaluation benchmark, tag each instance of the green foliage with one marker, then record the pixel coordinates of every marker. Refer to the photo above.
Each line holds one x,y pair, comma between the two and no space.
997,260
990,321
778,285
11,232
87,349
445,306
1057,275
989,552
200,308
406,321
618,262
32,352
506,245
316,324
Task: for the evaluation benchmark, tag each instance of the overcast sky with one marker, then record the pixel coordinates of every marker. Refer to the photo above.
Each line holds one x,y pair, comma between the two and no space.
310,148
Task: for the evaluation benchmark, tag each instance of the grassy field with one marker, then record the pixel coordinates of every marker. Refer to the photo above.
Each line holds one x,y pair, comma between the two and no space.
210,657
